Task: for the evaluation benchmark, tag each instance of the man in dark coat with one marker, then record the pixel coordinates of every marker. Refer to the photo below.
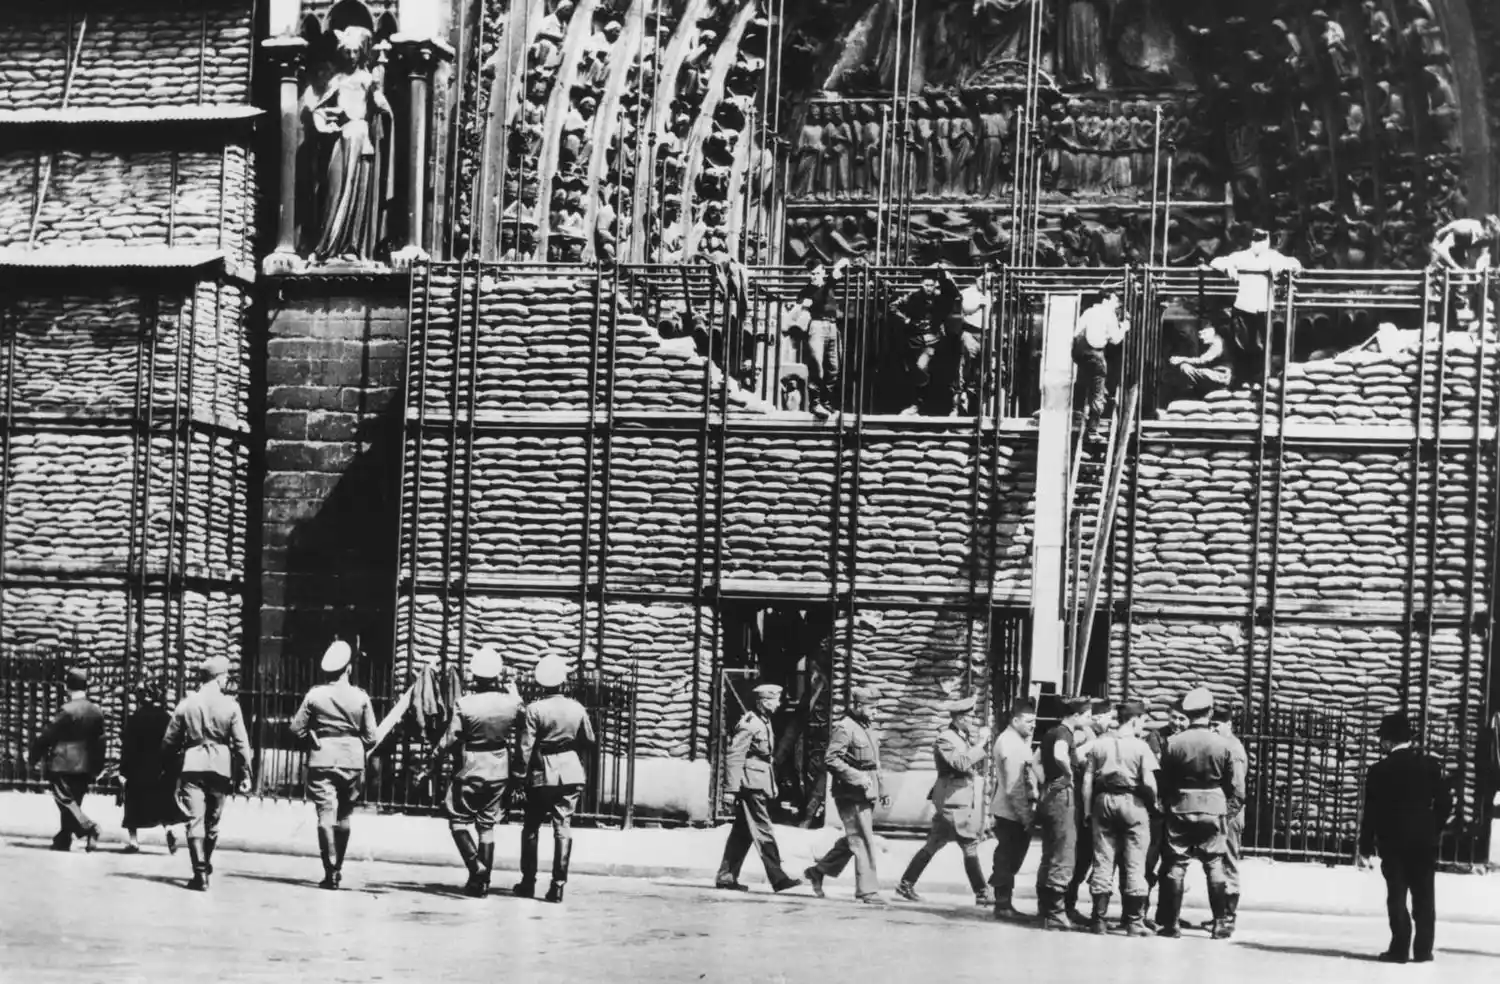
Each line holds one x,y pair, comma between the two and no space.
854,763
71,751
1407,803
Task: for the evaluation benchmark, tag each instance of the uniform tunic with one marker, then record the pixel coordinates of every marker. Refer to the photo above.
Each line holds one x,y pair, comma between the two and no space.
853,760
341,719
481,727
752,778
957,796
208,730
1122,771
553,731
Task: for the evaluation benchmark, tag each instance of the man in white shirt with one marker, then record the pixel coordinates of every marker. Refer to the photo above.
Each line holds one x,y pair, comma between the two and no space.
1255,271
968,381
1098,328
1014,803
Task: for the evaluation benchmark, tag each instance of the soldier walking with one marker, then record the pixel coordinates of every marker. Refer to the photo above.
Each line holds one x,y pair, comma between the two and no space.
208,731
853,760
554,730
959,754
1119,785
480,731
72,745
752,777
1057,815
1014,804
1199,794
339,721
1223,719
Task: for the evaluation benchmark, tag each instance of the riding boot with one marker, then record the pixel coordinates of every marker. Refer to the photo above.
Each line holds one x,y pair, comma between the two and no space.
526,887
562,850
487,859
209,843
907,888
1133,915
200,874
341,846
1097,925
330,860
1168,907
464,841
1231,910
977,881
1218,902
1050,911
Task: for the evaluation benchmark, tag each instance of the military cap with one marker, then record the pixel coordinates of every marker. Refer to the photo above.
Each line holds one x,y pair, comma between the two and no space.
486,664
962,706
336,656
1395,727
768,691
1197,700
550,671
213,667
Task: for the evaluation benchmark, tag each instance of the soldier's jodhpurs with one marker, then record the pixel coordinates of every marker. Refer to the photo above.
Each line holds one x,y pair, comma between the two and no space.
1191,837
752,825
940,836
68,792
857,845
1012,841
1122,829
1232,854
1058,819
201,796
555,804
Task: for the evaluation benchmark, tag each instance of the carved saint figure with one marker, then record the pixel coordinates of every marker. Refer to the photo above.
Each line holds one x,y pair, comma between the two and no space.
992,129
1084,58
349,124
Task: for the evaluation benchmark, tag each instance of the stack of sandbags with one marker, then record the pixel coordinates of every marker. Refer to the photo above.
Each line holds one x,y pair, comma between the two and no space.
134,53
653,507
779,506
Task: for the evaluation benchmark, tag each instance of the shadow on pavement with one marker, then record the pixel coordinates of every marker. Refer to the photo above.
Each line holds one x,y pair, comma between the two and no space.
1309,951
309,882
421,888
176,881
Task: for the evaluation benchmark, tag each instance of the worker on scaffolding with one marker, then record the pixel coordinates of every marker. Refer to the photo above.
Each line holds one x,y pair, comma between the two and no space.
1465,247
1254,270
970,374
825,348
924,314
1196,376
1098,328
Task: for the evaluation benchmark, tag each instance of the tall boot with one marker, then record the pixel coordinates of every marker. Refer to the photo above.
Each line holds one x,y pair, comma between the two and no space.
562,853
1133,915
487,860
341,847
1231,911
1049,911
1218,902
982,894
330,859
470,855
200,872
209,843
1097,925
907,888
526,887
1168,907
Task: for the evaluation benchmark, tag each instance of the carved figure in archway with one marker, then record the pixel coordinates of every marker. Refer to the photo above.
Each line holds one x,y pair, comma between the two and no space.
1146,43
1084,58
349,123
992,129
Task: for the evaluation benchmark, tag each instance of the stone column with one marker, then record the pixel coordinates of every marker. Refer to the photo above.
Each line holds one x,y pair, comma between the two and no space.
286,53
419,58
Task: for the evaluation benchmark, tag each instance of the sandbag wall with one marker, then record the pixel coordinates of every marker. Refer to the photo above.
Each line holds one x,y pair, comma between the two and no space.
509,507
1354,533
124,498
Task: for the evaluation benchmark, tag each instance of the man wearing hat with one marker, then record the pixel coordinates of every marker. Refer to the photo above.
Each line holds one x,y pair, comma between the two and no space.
555,728
208,731
853,761
1014,803
751,776
480,730
1407,803
72,745
1255,271
336,717
1119,784
1199,793
1223,724
1057,814
957,800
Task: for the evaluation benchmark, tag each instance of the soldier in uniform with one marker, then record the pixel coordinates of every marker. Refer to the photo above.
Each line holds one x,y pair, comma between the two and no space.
1199,794
1119,784
555,728
1156,739
73,746
853,760
208,731
1223,719
1057,814
957,800
480,730
752,777
337,718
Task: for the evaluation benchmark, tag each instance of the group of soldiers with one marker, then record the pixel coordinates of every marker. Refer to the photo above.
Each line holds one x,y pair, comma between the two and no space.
1130,794
336,721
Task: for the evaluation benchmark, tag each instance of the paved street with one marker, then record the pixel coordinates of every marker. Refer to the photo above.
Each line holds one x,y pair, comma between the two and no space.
123,918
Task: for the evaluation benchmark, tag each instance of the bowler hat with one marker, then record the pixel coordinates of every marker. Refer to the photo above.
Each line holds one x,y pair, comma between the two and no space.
1395,727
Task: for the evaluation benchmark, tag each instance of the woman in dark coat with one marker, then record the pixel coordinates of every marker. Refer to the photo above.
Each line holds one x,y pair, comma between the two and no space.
150,778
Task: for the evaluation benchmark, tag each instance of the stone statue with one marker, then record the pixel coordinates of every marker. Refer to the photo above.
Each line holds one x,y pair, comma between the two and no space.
348,122
942,150
1442,105
1331,33
1107,245
840,136
809,154
1084,58
870,134
1146,44
920,134
965,140
1354,121
992,133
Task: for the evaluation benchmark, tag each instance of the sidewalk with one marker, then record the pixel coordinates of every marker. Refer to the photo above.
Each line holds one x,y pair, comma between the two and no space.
280,827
